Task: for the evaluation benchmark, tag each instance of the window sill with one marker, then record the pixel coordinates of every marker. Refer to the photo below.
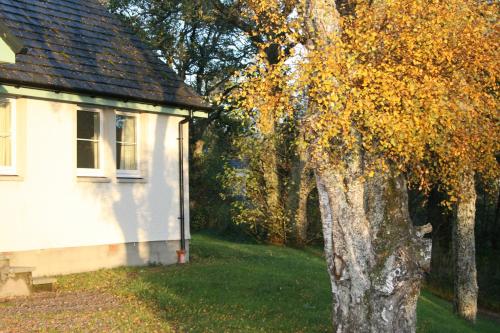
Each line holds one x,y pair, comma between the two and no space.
132,180
11,178
92,179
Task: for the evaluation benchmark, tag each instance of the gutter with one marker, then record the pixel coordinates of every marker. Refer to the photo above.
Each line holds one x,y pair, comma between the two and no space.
47,91
75,98
181,253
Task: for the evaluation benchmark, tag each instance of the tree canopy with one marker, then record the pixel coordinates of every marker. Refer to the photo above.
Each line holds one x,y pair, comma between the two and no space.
415,83
192,36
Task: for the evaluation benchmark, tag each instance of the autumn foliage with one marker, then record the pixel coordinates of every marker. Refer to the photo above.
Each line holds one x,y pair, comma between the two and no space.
414,83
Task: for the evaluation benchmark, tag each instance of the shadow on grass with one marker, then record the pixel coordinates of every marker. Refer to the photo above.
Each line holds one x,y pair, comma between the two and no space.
234,287
242,287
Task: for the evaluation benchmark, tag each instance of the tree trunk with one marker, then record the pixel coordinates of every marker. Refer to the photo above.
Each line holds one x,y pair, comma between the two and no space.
302,185
301,221
464,252
374,254
276,232
496,224
276,228
439,217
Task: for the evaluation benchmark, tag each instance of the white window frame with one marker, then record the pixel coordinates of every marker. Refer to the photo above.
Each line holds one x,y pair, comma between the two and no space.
89,172
130,173
11,170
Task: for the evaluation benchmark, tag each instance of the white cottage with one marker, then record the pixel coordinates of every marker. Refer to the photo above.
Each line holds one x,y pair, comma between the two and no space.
93,165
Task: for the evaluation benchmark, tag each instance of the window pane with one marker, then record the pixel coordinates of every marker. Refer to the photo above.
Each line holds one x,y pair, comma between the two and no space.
87,154
5,134
126,142
88,125
126,158
125,129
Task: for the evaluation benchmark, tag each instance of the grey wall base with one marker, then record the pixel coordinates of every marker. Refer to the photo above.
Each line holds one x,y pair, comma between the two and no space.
50,262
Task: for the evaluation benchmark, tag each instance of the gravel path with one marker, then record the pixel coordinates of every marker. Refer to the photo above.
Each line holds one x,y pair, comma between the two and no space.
77,312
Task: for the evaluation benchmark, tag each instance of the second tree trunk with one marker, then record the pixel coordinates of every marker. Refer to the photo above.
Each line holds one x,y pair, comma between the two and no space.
464,252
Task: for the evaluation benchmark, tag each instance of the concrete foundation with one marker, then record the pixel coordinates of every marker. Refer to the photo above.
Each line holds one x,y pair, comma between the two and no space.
50,262
15,286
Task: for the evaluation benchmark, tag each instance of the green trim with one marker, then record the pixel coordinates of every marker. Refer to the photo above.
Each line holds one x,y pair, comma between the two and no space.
7,56
96,101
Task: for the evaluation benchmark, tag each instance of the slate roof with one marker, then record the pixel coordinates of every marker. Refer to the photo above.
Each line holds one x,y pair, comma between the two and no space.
78,46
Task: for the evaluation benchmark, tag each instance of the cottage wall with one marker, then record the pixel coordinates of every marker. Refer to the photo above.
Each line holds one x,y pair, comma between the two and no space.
61,223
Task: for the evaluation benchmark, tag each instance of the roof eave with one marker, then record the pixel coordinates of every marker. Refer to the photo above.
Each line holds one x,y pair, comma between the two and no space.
12,41
122,101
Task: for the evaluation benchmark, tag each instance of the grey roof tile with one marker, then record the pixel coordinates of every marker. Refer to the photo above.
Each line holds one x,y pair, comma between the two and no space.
77,46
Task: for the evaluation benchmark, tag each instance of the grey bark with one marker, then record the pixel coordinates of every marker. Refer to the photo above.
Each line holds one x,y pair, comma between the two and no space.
375,256
464,252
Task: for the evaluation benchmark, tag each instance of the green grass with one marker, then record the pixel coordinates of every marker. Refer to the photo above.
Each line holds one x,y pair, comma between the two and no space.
435,315
234,287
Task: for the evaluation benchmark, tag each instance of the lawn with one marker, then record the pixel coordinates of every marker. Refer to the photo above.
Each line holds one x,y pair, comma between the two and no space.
235,287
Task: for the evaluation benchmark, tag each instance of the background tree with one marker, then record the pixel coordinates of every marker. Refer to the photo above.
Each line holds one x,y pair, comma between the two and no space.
432,208
245,179
206,42
277,188
464,252
204,49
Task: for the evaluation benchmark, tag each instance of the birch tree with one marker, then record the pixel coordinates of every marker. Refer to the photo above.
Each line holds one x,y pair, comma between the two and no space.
399,93
464,252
